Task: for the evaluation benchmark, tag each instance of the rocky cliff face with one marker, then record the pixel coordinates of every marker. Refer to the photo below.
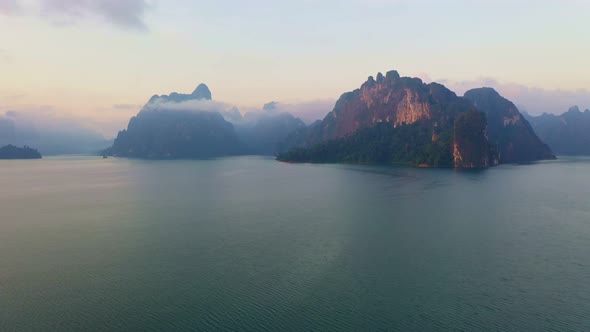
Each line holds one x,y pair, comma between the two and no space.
202,92
395,100
388,99
399,108
470,142
508,129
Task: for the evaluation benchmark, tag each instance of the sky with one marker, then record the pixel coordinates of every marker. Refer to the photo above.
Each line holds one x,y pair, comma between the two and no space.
99,61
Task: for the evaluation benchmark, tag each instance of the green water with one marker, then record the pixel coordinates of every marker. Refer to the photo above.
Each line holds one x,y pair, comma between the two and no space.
249,244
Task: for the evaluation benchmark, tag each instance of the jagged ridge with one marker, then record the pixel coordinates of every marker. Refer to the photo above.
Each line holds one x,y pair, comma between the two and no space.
393,110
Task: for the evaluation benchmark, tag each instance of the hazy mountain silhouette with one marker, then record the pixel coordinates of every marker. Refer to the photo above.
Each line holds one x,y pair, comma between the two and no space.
195,126
50,137
566,134
13,152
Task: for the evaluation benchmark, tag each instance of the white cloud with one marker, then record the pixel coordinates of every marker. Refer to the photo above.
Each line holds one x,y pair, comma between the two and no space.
196,105
121,13
308,111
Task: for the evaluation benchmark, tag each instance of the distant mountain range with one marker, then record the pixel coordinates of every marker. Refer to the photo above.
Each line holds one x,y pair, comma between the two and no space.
566,134
194,126
389,119
401,119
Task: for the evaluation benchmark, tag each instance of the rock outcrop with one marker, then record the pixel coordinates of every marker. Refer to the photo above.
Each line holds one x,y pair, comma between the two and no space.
395,119
435,126
395,100
508,130
470,142
202,92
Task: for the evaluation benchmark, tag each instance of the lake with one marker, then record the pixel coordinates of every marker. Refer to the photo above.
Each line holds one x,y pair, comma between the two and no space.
247,243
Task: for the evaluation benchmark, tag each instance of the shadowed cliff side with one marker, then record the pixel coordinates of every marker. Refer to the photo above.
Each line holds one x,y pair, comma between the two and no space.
566,134
508,129
470,144
160,131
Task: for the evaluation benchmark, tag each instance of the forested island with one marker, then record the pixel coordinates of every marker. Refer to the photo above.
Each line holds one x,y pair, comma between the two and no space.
14,152
393,119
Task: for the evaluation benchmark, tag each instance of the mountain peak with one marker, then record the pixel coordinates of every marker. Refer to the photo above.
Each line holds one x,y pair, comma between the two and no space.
574,109
392,74
485,91
380,78
202,92
270,107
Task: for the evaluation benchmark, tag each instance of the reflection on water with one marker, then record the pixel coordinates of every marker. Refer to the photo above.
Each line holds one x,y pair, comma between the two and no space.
249,243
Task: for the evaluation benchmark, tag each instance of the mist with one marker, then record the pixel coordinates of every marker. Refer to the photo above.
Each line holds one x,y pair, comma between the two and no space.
49,132
307,111
260,130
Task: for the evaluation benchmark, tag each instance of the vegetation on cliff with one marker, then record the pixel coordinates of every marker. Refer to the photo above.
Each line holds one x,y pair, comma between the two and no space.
389,119
402,119
470,143
382,143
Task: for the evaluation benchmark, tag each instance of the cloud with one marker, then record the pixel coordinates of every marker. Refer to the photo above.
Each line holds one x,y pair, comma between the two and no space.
230,112
45,118
308,111
121,13
44,128
530,99
196,105
9,7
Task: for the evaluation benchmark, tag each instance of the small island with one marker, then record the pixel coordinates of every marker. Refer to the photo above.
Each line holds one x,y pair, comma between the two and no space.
14,152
